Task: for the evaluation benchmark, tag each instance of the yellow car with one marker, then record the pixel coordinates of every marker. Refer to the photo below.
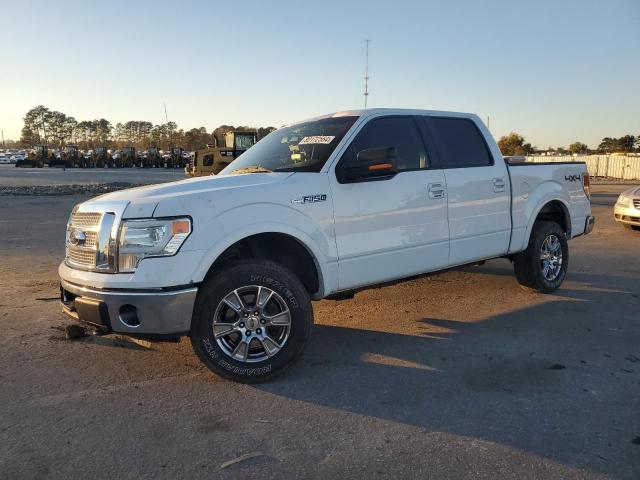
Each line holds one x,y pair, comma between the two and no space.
627,208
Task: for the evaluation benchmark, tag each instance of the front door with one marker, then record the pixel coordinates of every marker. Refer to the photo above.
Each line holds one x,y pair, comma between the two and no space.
390,227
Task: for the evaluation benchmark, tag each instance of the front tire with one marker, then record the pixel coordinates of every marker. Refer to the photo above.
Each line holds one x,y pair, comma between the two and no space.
251,321
543,265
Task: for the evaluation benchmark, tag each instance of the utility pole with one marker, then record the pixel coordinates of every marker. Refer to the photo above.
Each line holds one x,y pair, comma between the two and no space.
2,138
166,119
488,122
366,75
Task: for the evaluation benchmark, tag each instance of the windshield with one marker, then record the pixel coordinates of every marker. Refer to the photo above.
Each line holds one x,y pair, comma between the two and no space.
304,147
244,141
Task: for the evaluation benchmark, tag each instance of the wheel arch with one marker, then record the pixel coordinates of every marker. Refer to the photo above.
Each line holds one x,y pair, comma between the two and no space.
554,209
283,244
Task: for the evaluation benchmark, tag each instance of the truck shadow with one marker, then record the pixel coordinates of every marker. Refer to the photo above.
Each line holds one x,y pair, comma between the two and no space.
552,379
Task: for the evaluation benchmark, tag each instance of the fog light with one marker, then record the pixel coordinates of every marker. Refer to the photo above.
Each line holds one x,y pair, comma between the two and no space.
129,316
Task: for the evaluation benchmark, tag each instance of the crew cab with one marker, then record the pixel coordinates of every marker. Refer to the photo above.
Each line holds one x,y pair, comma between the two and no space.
317,209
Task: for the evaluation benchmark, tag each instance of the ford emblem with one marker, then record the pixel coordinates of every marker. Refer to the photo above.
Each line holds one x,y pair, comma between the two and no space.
77,237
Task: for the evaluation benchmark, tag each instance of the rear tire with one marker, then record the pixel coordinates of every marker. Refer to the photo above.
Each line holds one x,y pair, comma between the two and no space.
543,265
251,321
630,227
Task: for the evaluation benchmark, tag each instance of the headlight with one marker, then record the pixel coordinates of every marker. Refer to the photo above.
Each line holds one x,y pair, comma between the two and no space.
140,239
624,200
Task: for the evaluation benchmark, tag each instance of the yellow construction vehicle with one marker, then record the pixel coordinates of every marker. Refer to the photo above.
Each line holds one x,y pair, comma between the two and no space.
177,158
101,157
153,158
213,158
70,157
127,157
37,158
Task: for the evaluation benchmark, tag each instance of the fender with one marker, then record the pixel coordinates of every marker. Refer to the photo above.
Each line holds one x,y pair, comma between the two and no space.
274,218
544,193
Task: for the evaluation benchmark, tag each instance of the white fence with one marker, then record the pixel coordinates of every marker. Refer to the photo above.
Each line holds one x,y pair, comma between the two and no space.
612,166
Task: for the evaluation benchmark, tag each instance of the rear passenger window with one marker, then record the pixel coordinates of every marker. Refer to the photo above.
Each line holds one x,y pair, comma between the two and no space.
459,142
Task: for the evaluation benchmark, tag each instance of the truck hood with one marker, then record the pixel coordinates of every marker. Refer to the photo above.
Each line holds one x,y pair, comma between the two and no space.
142,202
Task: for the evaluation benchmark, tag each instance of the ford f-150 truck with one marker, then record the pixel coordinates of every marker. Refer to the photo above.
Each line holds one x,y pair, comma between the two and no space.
317,209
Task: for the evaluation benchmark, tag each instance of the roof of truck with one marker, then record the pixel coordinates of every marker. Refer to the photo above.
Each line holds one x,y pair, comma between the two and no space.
386,111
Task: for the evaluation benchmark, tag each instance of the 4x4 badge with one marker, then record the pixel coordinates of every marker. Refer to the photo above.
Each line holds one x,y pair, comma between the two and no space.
311,198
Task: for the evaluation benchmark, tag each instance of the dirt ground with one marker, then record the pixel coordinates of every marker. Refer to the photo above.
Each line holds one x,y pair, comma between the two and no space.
461,375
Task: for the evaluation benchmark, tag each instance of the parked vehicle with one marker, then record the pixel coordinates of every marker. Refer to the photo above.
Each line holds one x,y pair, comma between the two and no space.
4,159
153,158
127,157
627,209
176,158
37,158
317,209
101,157
18,157
70,157
213,158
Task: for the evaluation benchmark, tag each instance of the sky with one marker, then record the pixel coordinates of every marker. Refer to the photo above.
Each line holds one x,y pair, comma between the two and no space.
554,71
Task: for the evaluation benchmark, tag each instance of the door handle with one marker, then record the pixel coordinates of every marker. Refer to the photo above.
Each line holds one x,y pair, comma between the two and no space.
436,190
498,184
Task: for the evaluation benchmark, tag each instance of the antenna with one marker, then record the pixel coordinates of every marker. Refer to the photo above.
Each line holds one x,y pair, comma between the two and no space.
366,75
166,120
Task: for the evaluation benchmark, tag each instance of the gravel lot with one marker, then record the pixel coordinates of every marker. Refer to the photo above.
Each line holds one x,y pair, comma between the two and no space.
460,375
10,176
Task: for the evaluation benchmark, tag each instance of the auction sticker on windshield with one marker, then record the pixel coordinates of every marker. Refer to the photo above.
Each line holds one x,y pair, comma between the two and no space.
317,139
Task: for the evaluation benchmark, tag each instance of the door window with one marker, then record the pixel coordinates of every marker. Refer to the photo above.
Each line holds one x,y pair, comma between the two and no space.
400,133
459,142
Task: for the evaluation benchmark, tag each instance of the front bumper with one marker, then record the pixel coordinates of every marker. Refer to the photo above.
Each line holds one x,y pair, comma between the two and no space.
628,215
137,312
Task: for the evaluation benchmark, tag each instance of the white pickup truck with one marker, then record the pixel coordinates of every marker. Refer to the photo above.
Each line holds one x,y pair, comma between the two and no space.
317,209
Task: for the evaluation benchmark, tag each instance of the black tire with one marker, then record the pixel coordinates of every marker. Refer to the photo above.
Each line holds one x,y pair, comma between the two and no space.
528,264
262,273
630,227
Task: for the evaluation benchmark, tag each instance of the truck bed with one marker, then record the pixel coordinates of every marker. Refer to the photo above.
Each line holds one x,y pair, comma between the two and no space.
531,183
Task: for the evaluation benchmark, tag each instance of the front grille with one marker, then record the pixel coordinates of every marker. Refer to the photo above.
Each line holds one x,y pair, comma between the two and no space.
636,203
80,220
92,239
84,258
84,255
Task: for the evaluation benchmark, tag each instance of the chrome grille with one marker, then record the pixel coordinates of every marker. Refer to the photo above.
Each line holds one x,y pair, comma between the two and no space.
84,258
80,220
636,203
84,255
92,239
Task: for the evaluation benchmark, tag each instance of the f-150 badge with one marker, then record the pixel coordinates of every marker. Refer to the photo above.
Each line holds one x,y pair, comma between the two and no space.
310,199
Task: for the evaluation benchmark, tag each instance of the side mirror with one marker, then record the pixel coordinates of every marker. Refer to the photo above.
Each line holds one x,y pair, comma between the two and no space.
371,163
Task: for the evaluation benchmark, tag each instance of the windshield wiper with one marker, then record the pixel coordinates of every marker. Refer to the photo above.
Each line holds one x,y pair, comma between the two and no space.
299,168
251,169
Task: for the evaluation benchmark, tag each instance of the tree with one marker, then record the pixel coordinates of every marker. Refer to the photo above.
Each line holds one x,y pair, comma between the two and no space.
627,143
622,144
42,125
264,131
514,144
61,128
36,125
578,147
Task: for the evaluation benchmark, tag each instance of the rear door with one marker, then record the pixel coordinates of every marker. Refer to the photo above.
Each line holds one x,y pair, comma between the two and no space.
478,190
392,227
